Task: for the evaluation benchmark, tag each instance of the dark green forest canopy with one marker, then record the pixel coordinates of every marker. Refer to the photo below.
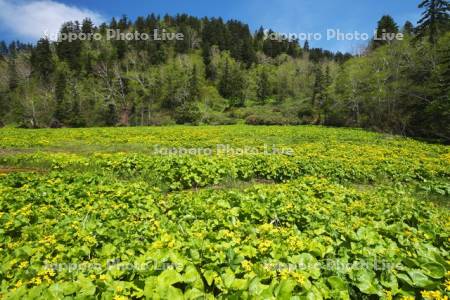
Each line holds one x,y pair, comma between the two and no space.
222,73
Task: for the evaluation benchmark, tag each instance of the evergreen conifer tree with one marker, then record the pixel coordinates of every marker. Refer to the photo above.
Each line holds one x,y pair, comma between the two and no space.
386,25
408,28
263,87
41,59
435,19
59,115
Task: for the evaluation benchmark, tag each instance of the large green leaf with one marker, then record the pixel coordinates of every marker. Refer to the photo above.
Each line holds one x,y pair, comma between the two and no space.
285,288
419,279
389,280
86,287
434,270
169,277
337,283
307,263
366,282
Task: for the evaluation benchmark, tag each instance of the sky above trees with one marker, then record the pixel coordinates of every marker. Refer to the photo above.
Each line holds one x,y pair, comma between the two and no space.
27,20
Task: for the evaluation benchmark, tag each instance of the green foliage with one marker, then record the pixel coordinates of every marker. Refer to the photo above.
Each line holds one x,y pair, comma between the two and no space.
435,19
263,90
41,60
60,114
386,90
386,25
232,83
408,28
87,26
194,85
222,73
271,119
70,51
318,89
13,77
339,218
187,112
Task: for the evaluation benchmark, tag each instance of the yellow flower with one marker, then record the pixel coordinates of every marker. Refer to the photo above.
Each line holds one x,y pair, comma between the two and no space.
158,245
266,227
284,274
447,285
295,243
48,279
103,277
246,265
198,235
19,284
226,233
264,245
388,295
48,240
299,278
90,239
23,264
36,281
433,295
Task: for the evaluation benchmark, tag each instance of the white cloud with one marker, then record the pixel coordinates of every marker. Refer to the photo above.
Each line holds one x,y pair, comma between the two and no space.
32,19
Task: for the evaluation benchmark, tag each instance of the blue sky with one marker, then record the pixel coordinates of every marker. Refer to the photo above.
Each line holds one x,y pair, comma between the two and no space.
288,16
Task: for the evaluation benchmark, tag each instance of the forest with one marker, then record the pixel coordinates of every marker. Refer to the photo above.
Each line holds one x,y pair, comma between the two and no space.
222,73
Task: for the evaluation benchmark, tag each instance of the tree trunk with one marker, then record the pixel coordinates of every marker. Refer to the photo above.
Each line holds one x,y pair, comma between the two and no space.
124,118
